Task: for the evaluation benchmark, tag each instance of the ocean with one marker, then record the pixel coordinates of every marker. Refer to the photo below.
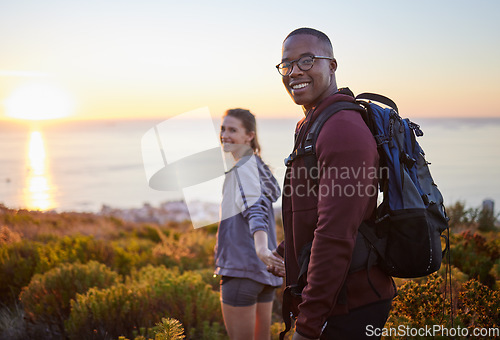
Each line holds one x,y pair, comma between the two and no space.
81,166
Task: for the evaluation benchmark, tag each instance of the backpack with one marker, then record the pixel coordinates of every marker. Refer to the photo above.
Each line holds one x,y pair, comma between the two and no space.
409,223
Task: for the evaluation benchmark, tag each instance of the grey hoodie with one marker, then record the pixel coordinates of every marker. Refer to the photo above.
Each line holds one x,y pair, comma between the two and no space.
248,193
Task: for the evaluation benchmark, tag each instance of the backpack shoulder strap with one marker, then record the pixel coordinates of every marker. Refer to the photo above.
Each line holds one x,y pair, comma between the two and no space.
312,135
309,145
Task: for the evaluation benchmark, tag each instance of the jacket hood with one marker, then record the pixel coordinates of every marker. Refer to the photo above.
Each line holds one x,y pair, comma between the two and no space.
269,185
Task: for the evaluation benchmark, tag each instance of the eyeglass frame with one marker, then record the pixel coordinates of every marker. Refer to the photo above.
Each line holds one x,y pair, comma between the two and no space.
297,62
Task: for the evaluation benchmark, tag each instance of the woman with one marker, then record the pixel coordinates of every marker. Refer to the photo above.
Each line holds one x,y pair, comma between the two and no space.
246,232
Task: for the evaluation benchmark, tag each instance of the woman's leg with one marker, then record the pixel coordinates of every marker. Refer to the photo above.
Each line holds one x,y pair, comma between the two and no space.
246,308
263,320
240,321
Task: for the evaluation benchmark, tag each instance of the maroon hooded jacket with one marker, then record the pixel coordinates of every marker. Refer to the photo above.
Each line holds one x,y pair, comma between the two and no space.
329,215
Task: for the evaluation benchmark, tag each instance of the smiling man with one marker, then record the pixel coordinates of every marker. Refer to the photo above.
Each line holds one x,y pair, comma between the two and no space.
308,85
341,295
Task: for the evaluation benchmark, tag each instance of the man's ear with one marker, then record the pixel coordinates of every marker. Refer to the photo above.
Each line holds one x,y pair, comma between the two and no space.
333,65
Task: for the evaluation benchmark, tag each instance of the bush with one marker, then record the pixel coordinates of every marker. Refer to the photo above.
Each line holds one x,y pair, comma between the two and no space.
486,220
419,304
19,261
479,306
148,295
47,298
8,236
74,249
132,253
461,217
207,275
169,329
422,304
17,265
190,250
475,255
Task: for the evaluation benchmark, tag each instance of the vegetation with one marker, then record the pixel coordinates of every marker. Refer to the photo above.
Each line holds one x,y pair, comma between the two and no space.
85,276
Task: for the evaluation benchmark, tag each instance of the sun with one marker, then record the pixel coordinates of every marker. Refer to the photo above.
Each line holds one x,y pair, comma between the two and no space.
39,101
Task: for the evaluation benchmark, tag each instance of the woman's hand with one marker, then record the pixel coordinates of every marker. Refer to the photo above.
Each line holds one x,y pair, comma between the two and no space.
272,260
277,268
268,257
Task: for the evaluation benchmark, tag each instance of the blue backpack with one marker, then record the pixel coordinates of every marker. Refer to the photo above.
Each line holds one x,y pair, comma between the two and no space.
409,223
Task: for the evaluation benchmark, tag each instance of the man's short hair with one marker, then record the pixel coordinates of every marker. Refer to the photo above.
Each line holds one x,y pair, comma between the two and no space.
314,32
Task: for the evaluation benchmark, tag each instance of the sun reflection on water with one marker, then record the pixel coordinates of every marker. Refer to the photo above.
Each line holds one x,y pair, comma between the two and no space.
38,190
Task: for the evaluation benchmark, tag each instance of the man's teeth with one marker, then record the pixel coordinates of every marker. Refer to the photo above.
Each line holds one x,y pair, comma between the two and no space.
300,86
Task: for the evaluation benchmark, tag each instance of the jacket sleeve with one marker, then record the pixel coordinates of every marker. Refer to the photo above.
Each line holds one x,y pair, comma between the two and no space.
347,157
253,205
257,215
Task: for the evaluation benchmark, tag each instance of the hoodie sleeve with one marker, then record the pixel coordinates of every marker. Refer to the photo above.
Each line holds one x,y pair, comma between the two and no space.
258,189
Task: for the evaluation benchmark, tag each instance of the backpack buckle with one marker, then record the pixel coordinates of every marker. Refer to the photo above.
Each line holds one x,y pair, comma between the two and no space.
381,139
416,128
407,160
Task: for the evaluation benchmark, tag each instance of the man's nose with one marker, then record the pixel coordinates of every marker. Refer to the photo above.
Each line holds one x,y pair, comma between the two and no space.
295,70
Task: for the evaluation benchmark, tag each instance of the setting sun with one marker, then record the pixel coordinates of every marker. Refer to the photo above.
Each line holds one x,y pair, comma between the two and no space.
38,101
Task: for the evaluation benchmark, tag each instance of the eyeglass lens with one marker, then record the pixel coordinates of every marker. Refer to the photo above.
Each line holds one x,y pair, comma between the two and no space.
304,64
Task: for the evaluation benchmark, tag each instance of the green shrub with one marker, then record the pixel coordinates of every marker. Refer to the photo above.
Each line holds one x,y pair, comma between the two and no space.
207,275
72,249
130,253
189,250
460,216
486,220
209,331
148,232
419,304
148,295
423,303
17,265
47,298
21,260
475,255
479,306
169,329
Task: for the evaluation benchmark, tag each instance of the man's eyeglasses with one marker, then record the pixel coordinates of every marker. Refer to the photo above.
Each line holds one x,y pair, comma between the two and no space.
304,64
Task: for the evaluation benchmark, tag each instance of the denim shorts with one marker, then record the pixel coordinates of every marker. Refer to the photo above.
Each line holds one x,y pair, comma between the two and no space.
242,292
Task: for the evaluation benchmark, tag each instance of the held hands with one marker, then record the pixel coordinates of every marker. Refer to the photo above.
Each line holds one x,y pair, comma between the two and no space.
272,259
278,268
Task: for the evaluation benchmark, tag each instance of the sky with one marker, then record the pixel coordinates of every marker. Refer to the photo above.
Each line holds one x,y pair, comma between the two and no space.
156,59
